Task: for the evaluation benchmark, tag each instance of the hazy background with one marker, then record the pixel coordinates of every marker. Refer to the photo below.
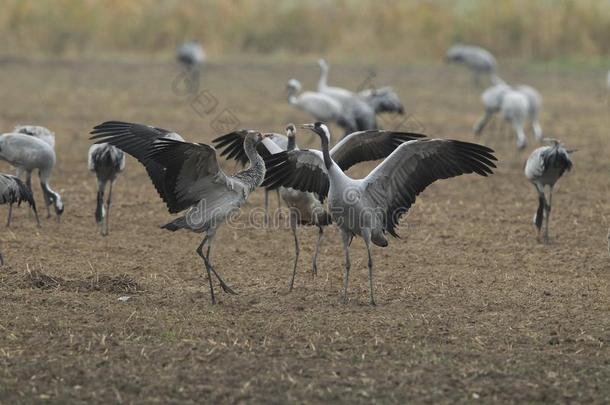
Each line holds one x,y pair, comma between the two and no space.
574,31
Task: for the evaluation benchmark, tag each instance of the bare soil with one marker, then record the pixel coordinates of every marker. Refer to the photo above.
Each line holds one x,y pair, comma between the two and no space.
470,305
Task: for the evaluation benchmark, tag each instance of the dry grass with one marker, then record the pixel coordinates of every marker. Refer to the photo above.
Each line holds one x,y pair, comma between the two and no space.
398,30
469,305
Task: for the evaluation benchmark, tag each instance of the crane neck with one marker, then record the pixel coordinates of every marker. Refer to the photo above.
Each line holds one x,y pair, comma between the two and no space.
256,169
323,81
328,161
292,143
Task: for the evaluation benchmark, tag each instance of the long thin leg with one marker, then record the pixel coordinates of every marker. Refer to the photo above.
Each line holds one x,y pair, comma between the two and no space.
47,201
367,241
346,241
482,122
108,205
1,259
548,216
315,256
10,215
99,207
28,182
539,217
297,250
199,251
225,287
266,219
279,198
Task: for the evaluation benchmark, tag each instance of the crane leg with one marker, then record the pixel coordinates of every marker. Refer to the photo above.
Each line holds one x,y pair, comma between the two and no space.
225,287
266,218
315,256
367,241
481,123
547,216
293,227
1,260
99,208
108,205
10,215
207,268
346,241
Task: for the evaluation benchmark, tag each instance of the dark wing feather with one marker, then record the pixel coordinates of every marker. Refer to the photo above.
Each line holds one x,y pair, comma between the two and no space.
15,191
192,172
413,166
136,140
368,145
231,145
299,169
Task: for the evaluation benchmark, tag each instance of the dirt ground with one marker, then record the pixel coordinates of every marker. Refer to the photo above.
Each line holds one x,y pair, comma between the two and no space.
469,305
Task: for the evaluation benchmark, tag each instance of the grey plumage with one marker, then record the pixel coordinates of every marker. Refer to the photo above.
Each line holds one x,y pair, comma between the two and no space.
106,161
517,105
480,61
231,146
320,106
191,55
305,208
543,168
372,206
383,100
358,115
28,153
37,131
188,178
14,191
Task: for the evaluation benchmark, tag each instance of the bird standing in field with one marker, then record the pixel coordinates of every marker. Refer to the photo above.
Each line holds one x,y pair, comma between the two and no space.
28,153
42,133
371,207
14,191
106,161
321,107
514,109
191,57
188,178
543,168
480,61
358,113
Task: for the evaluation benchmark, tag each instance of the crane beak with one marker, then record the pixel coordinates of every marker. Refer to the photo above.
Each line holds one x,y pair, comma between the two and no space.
306,126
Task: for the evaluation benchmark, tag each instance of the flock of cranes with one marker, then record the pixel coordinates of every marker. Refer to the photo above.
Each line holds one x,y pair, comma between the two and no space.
311,183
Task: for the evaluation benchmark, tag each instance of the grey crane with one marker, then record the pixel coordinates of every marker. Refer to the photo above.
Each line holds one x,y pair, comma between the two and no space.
190,54
14,191
106,161
188,178
27,153
360,114
320,106
383,100
372,206
543,168
37,131
191,57
231,145
492,99
479,60
514,109
305,208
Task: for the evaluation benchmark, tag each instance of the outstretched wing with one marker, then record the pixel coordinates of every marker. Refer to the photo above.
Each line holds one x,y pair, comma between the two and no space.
300,169
413,166
137,139
231,145
368,145
192,173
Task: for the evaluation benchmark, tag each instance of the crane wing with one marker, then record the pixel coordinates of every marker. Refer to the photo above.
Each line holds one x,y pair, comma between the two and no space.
137,139
368,145
300,169
192,173
231,145
414,165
